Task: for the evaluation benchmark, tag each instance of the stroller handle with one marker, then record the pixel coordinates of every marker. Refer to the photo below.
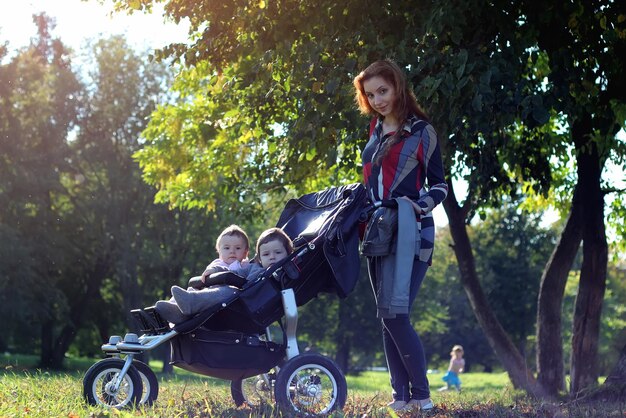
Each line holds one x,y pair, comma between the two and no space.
372,206
387,203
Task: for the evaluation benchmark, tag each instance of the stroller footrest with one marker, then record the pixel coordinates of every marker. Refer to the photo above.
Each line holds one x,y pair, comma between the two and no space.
150,321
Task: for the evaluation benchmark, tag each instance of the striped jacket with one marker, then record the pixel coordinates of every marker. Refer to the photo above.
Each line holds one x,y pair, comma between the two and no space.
413,168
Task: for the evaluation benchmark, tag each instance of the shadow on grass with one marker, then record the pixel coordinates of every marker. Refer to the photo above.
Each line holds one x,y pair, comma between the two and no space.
26,364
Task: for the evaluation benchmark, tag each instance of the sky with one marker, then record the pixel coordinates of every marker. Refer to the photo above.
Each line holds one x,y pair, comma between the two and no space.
78,21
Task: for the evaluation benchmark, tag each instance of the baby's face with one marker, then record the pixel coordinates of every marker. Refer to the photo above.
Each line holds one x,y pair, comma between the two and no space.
232,248
271,252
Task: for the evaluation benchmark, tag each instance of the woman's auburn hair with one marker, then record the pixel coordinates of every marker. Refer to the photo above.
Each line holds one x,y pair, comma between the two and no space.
406,102
405,105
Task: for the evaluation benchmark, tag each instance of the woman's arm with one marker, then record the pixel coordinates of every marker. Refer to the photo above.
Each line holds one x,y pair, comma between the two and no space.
435,174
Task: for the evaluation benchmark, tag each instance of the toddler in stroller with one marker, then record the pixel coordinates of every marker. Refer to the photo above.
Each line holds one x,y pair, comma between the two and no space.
230,339
272,246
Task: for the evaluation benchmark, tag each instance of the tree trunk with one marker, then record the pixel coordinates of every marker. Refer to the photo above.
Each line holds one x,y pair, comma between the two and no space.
513,362
131,299
614,387
550,363
587,314
126,260
618,374
588,310
342,356
53,350
342,338
61,346
45,360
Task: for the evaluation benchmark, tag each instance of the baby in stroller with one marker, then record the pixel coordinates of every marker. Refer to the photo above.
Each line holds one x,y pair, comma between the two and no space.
272,246
232,247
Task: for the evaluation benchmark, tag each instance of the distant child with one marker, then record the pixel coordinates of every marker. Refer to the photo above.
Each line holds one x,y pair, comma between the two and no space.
457,364
272,246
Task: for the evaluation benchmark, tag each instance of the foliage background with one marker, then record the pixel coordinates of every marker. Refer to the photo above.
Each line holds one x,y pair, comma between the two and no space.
115,184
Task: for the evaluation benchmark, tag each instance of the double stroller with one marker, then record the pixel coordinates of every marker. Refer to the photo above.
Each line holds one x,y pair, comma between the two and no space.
231,340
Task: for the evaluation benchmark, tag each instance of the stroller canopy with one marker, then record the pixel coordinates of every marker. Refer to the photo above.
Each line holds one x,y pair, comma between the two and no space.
331,218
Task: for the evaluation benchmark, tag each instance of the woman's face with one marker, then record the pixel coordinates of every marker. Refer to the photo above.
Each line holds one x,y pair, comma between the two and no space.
380,94
271,252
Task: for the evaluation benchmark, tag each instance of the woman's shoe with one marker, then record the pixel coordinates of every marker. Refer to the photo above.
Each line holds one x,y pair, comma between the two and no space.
397,405
423,405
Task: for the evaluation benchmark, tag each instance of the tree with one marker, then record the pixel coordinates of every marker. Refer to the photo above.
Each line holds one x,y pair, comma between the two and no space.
474,75
450,319
103,196
277,96
526,160
479,69
81,241
511,250
39,97
133,250
585,44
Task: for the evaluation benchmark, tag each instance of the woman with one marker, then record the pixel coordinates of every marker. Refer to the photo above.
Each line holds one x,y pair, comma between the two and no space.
401,156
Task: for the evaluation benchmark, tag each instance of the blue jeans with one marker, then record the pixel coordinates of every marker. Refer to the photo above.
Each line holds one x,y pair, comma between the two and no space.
403,348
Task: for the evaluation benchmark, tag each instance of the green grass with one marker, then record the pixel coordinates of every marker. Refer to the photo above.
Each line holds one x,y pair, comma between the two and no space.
472,382
36,393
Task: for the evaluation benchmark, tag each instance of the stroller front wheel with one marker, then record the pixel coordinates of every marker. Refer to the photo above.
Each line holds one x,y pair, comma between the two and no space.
102,386
310,384
149,383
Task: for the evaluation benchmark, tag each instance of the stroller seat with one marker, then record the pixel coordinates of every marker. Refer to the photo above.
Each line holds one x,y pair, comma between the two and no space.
221,297
215,298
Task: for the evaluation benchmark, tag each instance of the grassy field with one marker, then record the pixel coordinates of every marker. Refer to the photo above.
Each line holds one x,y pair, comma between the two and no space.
28,392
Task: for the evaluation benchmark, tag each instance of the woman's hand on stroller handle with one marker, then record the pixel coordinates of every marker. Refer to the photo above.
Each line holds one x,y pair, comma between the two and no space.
372,206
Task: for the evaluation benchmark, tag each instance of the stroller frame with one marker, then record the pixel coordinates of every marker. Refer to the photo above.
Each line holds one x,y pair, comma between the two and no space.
324,228
131,345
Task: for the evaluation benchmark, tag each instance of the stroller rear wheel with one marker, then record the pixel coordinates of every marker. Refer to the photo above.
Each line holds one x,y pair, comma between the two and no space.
101,385
254,390
149,382
310,384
